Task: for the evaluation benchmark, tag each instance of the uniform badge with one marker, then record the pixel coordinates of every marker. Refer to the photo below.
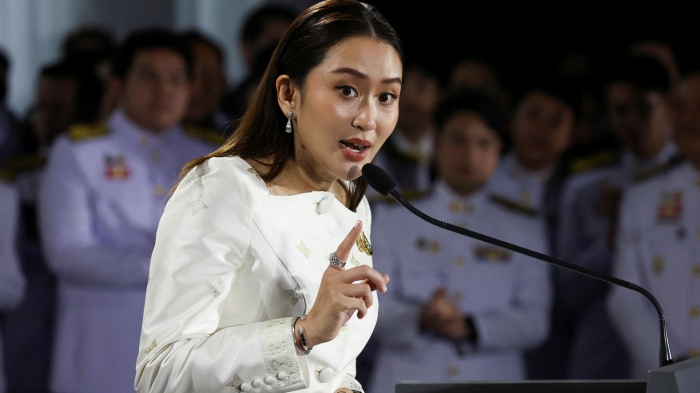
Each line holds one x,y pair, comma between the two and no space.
427,245
452,371
670,206
116,168
694,352
363,244
658,264
461,207
695,311
492,254
456,297
525,196
680,232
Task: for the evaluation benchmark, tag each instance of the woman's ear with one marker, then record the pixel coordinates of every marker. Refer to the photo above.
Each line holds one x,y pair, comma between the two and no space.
286,94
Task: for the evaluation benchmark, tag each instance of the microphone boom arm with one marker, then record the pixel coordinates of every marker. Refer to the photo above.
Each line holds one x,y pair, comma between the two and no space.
665,357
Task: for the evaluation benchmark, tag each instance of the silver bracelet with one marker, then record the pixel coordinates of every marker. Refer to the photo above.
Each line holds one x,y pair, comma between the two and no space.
306,348
301,348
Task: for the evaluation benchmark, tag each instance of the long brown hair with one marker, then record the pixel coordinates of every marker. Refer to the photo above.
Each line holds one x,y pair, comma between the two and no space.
260,132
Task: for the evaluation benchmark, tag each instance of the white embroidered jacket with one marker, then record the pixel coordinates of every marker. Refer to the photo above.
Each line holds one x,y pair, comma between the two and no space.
231,266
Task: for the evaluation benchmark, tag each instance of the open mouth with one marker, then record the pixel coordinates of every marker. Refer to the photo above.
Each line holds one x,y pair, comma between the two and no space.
354,147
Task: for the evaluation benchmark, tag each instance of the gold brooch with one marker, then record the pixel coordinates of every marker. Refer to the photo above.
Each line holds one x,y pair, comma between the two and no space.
363,244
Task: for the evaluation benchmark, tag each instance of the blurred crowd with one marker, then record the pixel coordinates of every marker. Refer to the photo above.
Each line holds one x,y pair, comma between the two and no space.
596,168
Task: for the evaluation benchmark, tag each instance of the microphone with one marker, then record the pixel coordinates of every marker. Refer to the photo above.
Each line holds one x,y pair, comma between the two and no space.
379,180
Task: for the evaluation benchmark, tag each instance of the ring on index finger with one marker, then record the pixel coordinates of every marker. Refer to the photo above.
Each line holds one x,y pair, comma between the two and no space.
335,261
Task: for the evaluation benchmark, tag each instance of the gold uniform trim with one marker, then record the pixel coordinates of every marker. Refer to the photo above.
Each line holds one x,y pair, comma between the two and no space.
205,134
84,131
596,160
513,205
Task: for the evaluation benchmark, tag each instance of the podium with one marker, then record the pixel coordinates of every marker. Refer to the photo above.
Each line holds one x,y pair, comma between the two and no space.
534,386
680,377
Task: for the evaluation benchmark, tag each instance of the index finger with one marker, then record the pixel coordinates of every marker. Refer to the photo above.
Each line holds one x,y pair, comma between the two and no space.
343,251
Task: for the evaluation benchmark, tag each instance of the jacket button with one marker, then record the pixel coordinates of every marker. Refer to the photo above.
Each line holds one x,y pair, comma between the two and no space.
325,375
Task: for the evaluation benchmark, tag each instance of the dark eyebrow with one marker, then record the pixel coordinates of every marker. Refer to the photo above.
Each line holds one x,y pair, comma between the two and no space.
358,74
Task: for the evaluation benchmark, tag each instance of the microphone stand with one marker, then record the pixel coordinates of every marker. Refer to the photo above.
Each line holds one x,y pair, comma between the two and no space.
665,357
382,182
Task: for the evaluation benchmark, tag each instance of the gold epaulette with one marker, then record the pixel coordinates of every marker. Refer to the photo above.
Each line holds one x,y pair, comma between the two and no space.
513,205
592,161
26,163
208,135
658,170
83,131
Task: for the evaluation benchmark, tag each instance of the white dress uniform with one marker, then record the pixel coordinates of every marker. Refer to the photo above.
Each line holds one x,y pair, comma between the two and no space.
408,163
658,248
507,294
231,267
12,281
587,225
515,183
101,196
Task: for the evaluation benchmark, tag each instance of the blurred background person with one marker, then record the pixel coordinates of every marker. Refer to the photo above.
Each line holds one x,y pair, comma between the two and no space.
92,47
657,242
662,51
208,86
12,281
66,93
262,29
637,91
541,125
10,137
407,156
467,310
477,72
100,199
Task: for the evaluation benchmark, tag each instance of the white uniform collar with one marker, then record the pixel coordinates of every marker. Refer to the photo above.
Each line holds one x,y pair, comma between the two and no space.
515,170
629,160
445,192
423,148
119,122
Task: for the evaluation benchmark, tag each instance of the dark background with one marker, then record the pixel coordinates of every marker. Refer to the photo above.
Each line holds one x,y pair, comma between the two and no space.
529,38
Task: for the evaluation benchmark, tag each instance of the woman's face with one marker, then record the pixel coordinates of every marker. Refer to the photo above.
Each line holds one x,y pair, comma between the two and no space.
347,109
467,152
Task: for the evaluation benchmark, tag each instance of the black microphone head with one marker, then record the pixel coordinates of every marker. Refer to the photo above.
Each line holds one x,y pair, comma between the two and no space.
378,179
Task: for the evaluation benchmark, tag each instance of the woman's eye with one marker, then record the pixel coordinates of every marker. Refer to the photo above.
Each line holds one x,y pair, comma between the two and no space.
347,91
387,98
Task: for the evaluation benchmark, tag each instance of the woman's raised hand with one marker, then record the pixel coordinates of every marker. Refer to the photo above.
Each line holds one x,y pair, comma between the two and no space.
342,292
